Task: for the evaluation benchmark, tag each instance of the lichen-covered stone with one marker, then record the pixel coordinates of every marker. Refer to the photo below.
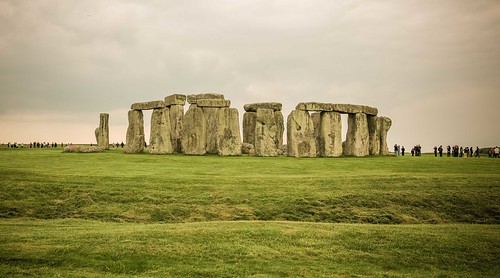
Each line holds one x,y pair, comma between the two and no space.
194,136
228,132
247,148
384,125
135,132
300,134
211,118
334,107
265,133
252,107
148,105
357,139
176,99
159,140
330,134
193,99
102,132
280,128
176,118
249,121
215,103
374,135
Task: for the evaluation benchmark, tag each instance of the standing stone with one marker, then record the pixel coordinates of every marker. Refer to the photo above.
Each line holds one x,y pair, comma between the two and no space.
159,141
194,136
316,118
300,134
265,133
374,135
102,132
211,118
135,132
176,117
280,128
384,125
249,121
357,140
330,134
228,132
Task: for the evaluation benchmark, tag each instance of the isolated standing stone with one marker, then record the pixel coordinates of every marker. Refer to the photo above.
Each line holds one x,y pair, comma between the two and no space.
159,141
176,117
300,134
228,132
330,134
374,135
384,125
211,118
102,132
265,133
249,121
135,132
357,140
194,136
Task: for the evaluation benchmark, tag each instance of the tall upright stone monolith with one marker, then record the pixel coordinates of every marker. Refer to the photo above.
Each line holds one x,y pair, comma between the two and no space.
176,104
265,133
357,139
330,134
194,134
384,125
374,135
159,140
249,121
135,132
102,132
300,134
212,123
228,132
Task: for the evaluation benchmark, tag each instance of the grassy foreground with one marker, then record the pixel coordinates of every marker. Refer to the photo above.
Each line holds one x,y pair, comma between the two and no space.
111,214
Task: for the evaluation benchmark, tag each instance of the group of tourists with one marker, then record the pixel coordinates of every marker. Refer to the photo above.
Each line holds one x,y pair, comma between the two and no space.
34,145
451,151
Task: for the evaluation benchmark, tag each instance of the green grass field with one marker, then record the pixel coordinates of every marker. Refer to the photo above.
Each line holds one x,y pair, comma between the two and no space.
112,214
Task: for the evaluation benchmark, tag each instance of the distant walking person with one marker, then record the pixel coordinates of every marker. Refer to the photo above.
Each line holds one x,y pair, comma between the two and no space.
477,152
396,149
440,149
496,152
448,151
403,151
435,151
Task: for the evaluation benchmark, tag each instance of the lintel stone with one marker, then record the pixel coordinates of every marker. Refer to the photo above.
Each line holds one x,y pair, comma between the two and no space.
215,103
176,99
193,99
157,104
252,107
334,107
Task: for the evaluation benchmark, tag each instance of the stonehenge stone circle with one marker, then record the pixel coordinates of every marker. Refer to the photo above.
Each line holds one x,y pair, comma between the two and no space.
102,132
210,126
135,132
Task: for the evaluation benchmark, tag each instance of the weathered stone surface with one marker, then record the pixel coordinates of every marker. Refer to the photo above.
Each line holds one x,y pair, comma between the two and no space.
211,118
384,125
159,140
193,99
249,121
334,107
265,133
280,128
194,136
247,149
176,99
357,140
252,107
216,103
102,132
374,135
316,119
148,105
176,118
135,132
82,149
228,132
330,134
300,134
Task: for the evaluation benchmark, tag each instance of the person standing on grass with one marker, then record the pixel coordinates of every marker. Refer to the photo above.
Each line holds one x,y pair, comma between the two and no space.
403,151
448,151
477,151
440,149
435,151
496,152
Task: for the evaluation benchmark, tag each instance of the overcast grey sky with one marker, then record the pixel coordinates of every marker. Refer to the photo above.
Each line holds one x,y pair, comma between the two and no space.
433,67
